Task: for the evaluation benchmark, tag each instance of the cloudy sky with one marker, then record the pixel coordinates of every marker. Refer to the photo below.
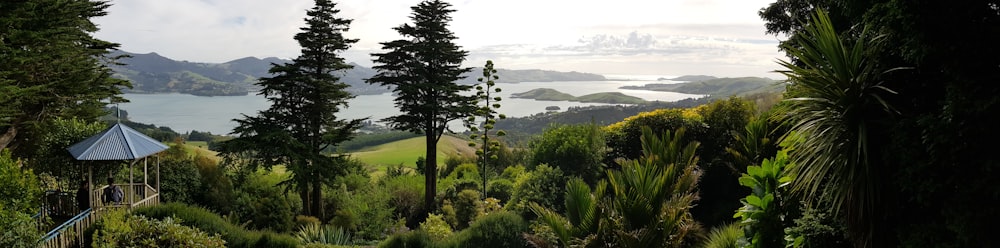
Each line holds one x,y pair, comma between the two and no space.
635,37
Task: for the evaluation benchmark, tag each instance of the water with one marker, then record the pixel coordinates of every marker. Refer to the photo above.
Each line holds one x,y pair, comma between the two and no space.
183,113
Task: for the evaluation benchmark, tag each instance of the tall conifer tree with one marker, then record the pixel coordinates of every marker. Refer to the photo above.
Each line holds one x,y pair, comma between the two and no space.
422,69
51,66
302,122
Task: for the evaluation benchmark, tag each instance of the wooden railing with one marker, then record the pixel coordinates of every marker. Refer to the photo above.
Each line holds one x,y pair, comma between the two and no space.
70,233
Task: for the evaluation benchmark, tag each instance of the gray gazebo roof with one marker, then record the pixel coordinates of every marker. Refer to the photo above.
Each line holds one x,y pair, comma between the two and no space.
119,142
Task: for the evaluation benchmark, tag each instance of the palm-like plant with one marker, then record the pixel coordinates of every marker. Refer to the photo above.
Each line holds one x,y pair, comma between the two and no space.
582,224
651,198
646,203
835,88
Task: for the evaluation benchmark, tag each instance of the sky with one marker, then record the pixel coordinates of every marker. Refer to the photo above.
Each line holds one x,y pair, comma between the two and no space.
723,38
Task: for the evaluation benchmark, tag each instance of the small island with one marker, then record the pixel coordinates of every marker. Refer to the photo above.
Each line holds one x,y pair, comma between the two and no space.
547,94
719,87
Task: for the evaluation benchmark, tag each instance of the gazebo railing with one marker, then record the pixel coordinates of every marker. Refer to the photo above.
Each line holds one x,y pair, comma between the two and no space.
70,233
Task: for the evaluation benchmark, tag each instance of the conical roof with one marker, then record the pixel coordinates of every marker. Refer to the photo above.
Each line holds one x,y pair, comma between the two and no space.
119,142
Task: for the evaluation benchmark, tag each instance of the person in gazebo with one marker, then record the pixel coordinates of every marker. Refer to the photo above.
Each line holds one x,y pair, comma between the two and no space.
113,193
83,196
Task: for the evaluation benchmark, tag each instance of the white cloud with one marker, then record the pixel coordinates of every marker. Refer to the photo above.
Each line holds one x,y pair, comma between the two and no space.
689,34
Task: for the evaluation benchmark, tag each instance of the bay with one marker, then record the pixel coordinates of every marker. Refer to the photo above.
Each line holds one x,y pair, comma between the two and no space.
183,113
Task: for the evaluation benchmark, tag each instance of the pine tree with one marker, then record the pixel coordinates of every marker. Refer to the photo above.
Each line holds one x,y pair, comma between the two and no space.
51,66
422,69
302,122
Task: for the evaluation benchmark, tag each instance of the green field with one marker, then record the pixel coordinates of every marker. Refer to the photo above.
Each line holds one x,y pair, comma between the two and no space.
406,151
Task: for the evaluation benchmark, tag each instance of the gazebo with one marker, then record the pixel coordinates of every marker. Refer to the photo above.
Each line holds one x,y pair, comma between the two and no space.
120,142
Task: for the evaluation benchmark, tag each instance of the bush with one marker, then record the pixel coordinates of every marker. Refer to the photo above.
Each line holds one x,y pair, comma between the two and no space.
209,222
18,229
467,207
118,229
543,186
500,230
20,190
436,227
181,180
502,189
578,150
319,234
412,239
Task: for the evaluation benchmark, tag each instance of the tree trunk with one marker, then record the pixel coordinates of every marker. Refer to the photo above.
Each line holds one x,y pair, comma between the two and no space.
430,170
7,137
304,194
317,197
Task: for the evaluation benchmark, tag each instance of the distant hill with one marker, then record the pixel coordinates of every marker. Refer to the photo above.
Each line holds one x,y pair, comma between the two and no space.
719,87
547,94
153,73
689,78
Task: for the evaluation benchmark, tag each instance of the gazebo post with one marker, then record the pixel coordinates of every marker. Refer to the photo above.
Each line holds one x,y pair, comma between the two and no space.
157,179
90,185
131,183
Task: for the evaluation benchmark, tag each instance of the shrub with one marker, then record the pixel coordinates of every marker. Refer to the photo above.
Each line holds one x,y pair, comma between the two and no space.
543,186
501,189
577,150
235,236
304,220
316,233
727,236
436,227
117,229
20,190
467,207
412,239
181,181
500,230
18,229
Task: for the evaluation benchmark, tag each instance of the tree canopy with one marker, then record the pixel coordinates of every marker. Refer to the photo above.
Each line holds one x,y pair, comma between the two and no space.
422,69
51,66
305,97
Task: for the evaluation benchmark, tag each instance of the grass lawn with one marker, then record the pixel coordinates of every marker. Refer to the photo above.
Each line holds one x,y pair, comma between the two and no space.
406,152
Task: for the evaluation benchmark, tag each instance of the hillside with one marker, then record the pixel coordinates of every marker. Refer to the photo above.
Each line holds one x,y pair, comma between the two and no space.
689,78
406,151
547,94
720,87
153,73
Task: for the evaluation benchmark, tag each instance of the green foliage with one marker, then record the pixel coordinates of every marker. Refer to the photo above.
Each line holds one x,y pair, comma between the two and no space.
582,224
817,228
502,229
405,194
422,69
541,186
727,236
835,85
264,206
216,188
577,150
20,191
502,189
180,179
302,121
52,67
764,211
319,234
489,150
118,229
19,229
49,154
624,138
654,194
467,206
436,227
366,212
205,220
412,239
